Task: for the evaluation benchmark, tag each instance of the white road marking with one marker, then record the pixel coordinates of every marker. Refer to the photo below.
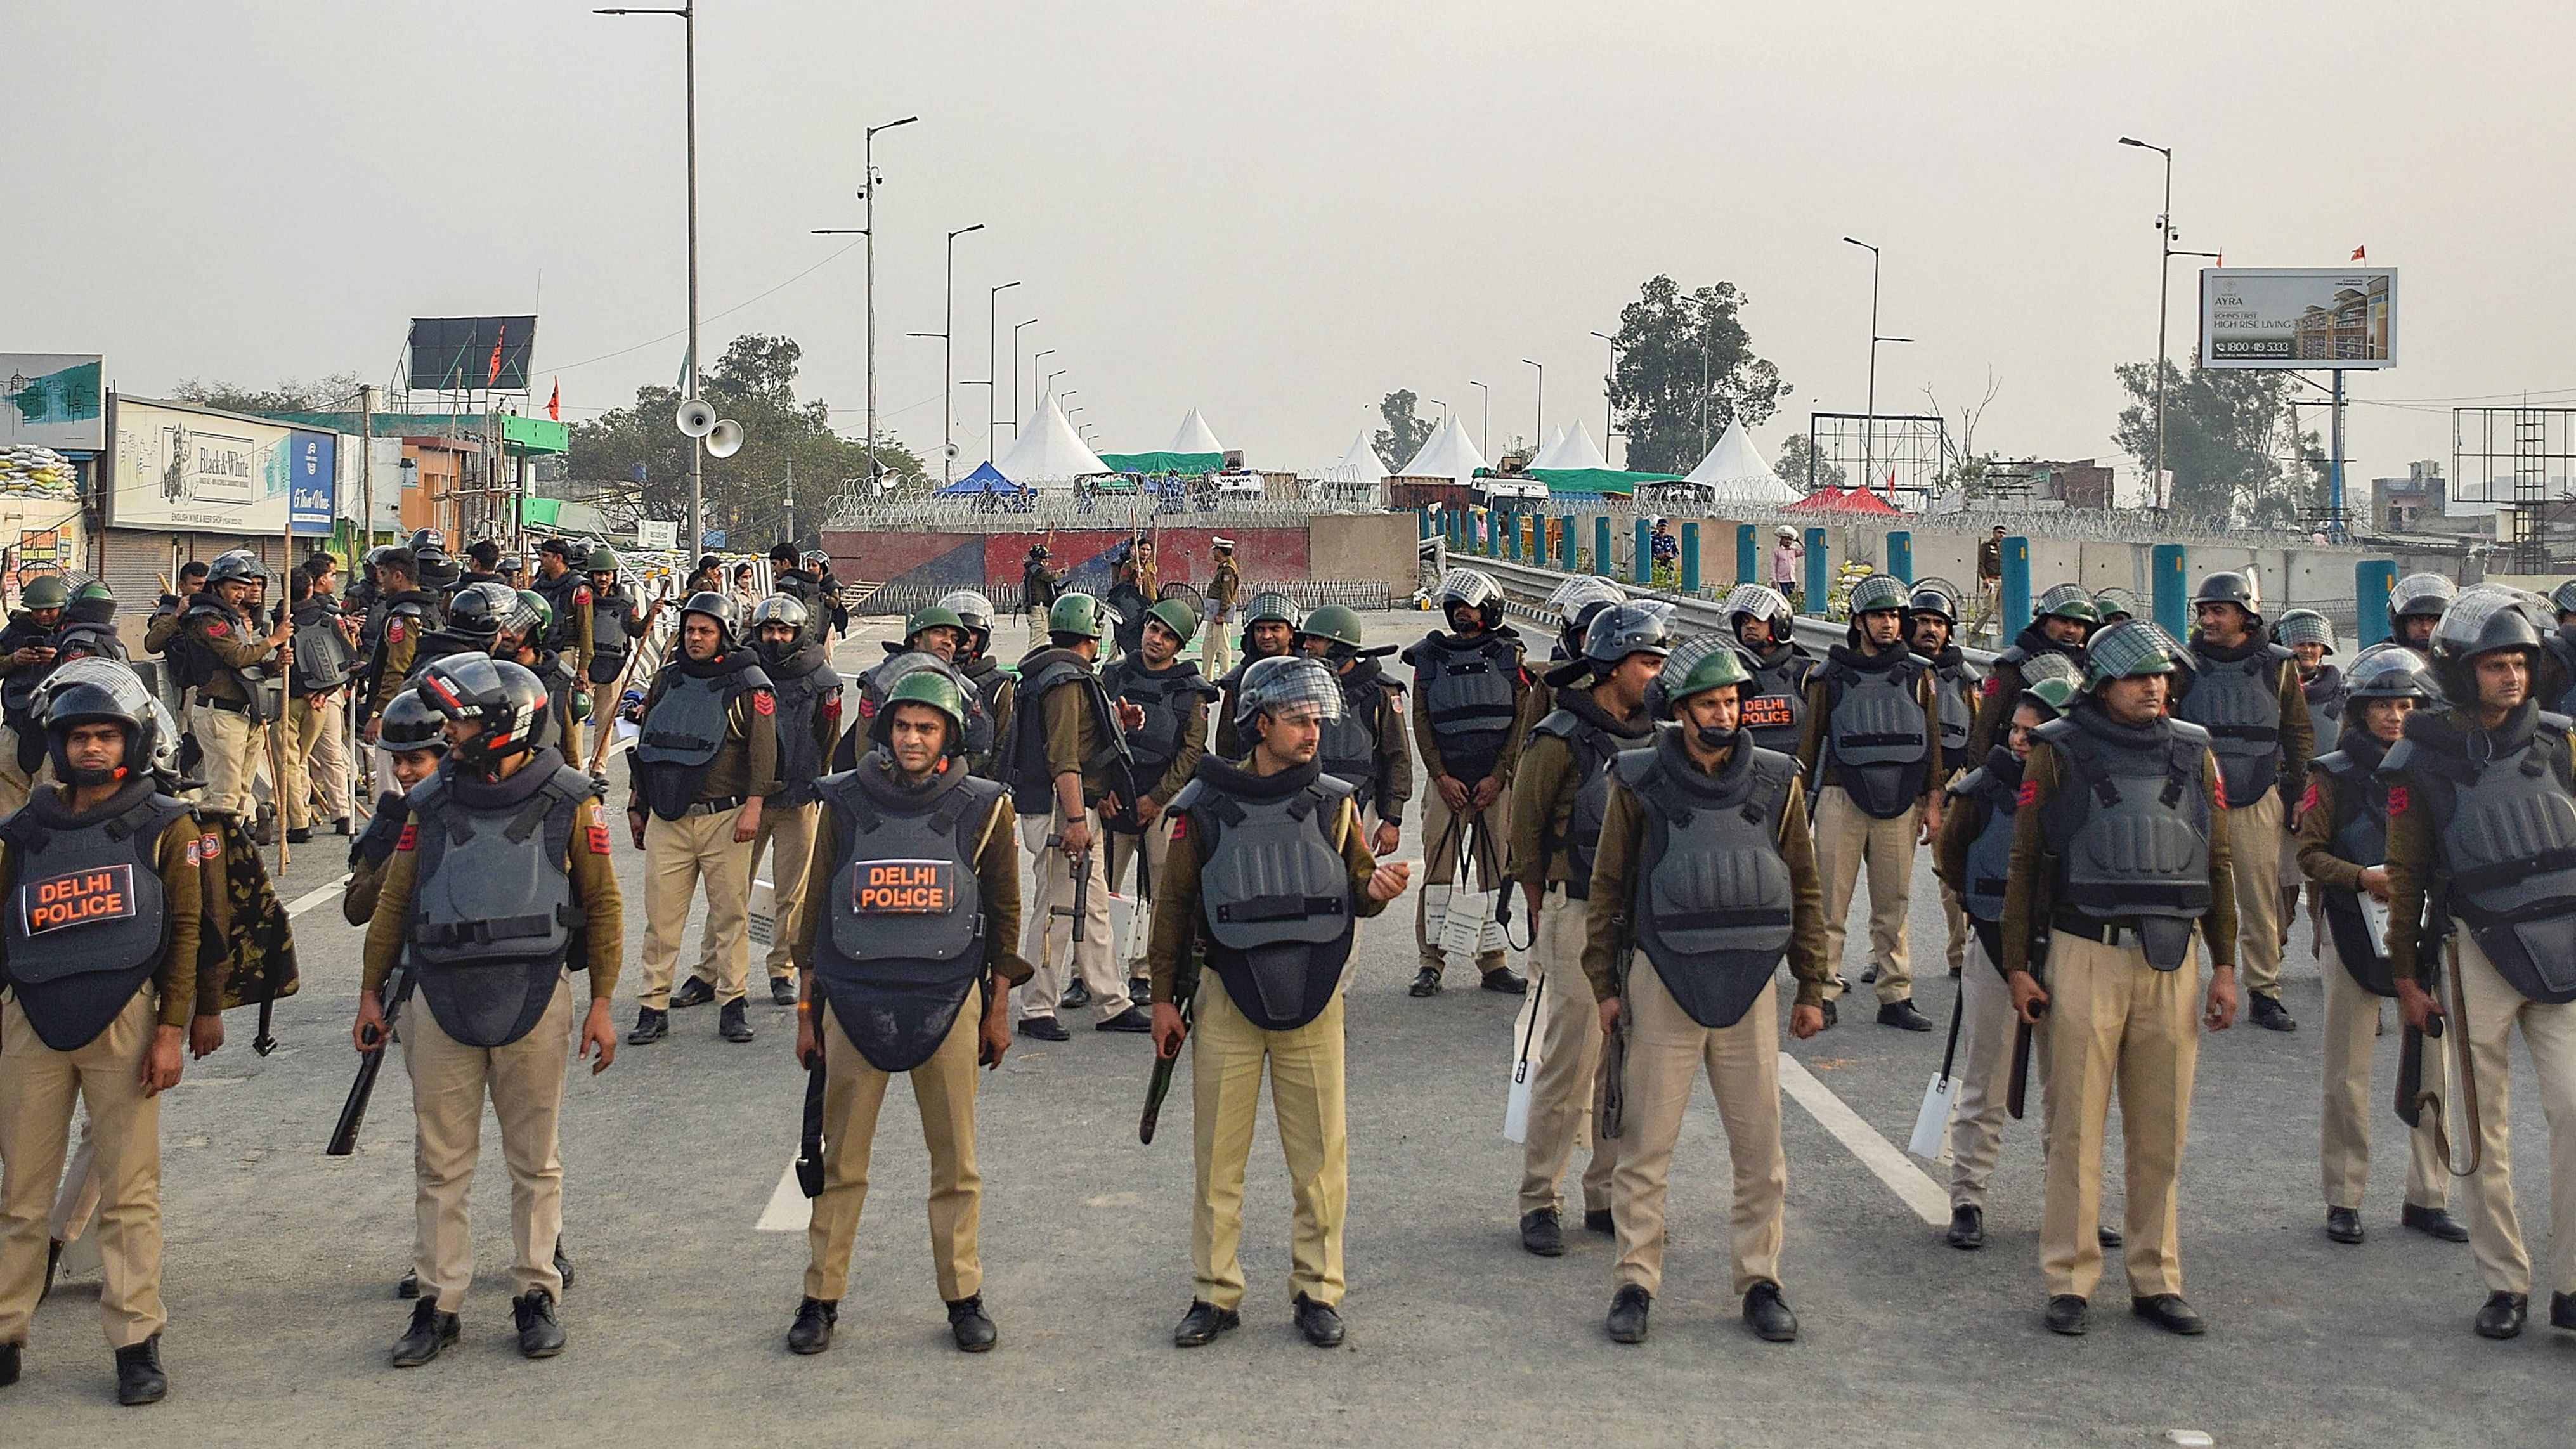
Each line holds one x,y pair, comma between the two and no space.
312,898
1909,1182
790,1211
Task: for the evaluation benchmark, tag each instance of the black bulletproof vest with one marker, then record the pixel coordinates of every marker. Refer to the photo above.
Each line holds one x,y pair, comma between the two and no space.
87,925
1777,708
2324,693
1994,789
1347,748
1594,748
904,936
493,914
1959,683
1031,778
985,679
1274,892
803,698
563,629
1877,742
322,654
684,730
608,623
2129,827
2239,703
1711,905
2508,842
1470,692
1166,698
2360,835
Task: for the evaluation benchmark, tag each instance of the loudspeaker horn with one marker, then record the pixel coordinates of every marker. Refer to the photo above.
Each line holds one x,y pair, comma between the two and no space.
724,439
697,417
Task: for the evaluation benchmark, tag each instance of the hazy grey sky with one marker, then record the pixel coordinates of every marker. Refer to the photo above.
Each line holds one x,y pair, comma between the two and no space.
1279,212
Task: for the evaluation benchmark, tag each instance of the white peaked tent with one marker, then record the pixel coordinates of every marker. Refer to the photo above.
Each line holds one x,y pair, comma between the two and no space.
1195,436
1360,465
1548,449
1049,454
1573,448
1734,472
1449,454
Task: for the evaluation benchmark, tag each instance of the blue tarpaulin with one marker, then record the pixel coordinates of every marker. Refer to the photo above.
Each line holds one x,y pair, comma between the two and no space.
985,479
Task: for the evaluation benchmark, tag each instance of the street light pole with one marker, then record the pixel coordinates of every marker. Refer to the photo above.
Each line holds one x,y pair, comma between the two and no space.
2165,238
1538,439
1015,376
1869,424
868,195
1608,426
992,355
948,357
1049,388
1037,389
689,52
1485,434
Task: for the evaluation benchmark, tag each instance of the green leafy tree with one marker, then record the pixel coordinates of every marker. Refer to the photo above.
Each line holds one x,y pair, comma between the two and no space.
1685,370
746,495
1404,433
2235,451
1795,456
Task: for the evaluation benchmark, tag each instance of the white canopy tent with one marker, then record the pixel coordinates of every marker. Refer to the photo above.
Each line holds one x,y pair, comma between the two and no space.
1049,454
1573,448
1449,454
1734,472
1359,465
1195,436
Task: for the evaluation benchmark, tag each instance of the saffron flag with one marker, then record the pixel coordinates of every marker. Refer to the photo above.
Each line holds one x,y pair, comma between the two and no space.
492,375
554,404
2357,253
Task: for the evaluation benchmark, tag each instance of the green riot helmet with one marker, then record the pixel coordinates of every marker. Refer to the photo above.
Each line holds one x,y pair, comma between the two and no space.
2068,601
45,591
1337,623
538,605
934,617
2112,605
1270,607
2054,695
603,560
1879,593
2303,626
1076,616
1695,667
2126,651
1177,616
931,685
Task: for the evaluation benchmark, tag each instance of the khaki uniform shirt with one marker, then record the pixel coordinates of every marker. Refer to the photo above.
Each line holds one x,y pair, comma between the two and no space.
2039,781
997,882
594,889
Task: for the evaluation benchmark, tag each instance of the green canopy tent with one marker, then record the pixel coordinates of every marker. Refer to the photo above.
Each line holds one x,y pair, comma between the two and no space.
1595,482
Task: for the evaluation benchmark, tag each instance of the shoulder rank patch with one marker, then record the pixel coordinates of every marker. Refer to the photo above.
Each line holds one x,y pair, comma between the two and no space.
764,702
2396,799
2308,801
2029,793
581,594
410,837
1180,828
394,630
217,628
209,847
598,835
2218,790
1989,687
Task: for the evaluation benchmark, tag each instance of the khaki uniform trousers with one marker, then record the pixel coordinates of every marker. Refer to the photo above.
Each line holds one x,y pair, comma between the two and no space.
2352,1026
853,1093
449,1081
317,768
1566,1089
2255,842
79,1197
1156,840
1046,937
1226,1057
37,1089
678,855
2114,1019
2549,1035
1667,1051
230,743
1847,838
1983,1087
1216,644
15,784
786,836
1445,836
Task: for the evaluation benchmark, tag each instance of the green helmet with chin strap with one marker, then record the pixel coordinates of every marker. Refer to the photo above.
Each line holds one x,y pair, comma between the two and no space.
1336,622
44,592
2057,694
1079,615
1270,607
2069,601
2127,651
1879,592
936,617
1698,666
928,686
1177,616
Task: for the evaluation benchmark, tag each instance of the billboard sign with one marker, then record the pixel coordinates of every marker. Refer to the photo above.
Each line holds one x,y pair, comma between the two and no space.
51,400
471,354
189,470
313,461
656,533
2325,318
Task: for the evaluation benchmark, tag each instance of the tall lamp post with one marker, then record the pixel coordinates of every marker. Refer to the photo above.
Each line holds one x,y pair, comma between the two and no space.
1609,427
992,355
868,196
2166,236
948,357
1485,434
1015,376
1048,388
1037,385
1538,438
697,446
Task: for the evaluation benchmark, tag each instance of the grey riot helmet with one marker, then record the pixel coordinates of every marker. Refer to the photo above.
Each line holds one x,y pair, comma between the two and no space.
779,609
1471,589
485,610
2391,671
97,691
1286,683
1620,630
238,566
2228,586
2421,596
2563,598
976,612
2303,626
1764,605
2483,619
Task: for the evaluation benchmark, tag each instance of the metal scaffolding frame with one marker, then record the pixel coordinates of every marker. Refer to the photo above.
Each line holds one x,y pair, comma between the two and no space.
1869,448
2522,460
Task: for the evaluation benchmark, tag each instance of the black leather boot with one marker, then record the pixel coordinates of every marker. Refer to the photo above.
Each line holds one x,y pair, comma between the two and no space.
2434,1222
1768,1315
734,1022
139,1379
1967,1227
1628,1309
2343,1225
2066,1314
1320,1322
968,1324
1426,982
812,1330
1542,1234
692,992
9,1356
563,1265
1505,980
782,991
2168,1312
432,1333
1599,1220
650,1025
2562,1312
541,1334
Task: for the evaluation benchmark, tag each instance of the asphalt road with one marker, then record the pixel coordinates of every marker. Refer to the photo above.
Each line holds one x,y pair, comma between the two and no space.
281,1262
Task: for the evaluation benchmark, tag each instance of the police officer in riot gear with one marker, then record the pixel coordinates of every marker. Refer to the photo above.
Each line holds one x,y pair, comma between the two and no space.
940,634
406,615
2343,849
616,622
2113,606
1558,796
1931,626
1870,749
1775,715
1163,753
2309,637
1575,603
26,656
2059,624
2246,694
2481,830
705,758
903,938
1706,870
413,738
1469,688
1269,630
498,888
2118,923
1367,748
475,615
1973,858
317,764
990,687
570,630
224,660
2415,604
1067,750
808,691
1246,837
101,934
516,638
